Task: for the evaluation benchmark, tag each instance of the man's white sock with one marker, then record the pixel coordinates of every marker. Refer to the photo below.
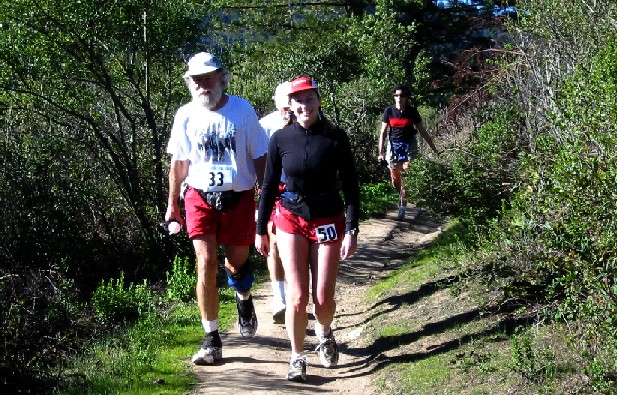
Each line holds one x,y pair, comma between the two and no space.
210,326
242,297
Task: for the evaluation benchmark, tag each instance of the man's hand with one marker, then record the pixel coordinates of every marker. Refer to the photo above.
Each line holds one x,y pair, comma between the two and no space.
173,214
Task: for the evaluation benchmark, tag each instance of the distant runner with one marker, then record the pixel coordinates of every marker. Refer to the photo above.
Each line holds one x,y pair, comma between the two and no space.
401,122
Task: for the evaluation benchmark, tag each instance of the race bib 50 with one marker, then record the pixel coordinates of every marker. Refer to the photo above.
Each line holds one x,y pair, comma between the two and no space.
326,233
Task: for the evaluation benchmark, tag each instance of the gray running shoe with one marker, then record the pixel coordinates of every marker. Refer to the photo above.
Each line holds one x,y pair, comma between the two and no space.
327,350
401,213
211,350
297,370
247,320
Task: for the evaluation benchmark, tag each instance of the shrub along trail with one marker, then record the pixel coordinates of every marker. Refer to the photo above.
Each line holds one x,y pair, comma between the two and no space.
259,365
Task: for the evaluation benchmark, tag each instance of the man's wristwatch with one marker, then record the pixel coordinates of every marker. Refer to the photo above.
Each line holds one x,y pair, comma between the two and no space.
353,232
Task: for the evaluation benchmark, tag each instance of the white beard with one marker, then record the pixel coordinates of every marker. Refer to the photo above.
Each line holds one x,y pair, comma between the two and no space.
209,101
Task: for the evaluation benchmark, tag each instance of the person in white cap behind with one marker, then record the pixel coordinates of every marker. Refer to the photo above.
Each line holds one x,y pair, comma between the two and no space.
272,122
282,116
218,151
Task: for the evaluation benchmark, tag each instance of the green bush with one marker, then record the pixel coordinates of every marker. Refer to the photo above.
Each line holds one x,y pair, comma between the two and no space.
531,363
182,280
559,240
35,307
473,181
376,199
568,185
115,302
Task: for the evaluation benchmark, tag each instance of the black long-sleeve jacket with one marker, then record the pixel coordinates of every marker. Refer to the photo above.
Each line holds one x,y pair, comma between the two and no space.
314,161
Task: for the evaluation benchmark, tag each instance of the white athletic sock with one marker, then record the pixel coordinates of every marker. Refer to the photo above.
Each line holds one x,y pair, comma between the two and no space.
278,291
242,297
321,332
296,355
210,326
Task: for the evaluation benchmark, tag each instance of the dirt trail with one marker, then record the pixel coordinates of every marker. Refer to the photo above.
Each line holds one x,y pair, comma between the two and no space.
259,365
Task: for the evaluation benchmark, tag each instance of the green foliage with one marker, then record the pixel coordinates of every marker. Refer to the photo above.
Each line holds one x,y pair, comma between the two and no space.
147,358
358,111
530,363
116,302
558,241
87,93
376,199
569,182
96,85
36,308
182,280
355,66
384,43
601,371
546,159
473,181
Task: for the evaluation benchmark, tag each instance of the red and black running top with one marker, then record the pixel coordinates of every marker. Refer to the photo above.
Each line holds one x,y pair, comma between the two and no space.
401,122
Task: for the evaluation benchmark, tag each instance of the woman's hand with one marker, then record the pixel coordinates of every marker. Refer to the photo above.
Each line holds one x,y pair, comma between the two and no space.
262,244
349,247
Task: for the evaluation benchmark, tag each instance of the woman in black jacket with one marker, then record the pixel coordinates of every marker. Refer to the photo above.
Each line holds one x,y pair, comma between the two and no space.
315,227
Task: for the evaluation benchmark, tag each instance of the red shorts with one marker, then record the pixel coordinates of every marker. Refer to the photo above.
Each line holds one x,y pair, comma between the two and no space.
321,230
274,211
233,226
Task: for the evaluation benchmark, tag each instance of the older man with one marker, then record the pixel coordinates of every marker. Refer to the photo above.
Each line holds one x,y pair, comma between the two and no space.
218,151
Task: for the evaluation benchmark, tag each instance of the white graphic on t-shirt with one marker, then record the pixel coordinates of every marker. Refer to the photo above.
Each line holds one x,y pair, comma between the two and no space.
216,148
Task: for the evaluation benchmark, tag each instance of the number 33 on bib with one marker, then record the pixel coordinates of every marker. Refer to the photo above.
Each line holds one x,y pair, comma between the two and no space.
220,177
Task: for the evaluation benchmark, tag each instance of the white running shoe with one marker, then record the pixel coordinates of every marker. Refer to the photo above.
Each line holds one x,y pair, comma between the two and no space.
297,370
210,352
327,350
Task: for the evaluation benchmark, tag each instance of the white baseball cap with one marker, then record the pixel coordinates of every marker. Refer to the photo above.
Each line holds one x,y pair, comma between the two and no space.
281,95
202,63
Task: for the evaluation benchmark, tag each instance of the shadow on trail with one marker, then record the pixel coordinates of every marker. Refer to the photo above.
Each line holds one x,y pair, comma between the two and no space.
262,340
256,382
373,358
387,252
505,327
426,289
433,337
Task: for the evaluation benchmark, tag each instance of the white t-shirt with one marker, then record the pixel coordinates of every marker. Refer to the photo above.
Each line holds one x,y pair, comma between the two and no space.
220,145
271,123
